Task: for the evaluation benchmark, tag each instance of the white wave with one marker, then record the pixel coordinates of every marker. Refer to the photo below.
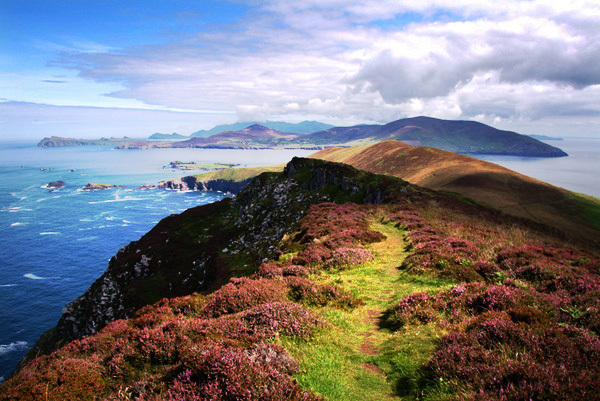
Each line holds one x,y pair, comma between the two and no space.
127,221
86,219
41,199
17,346
16,224
87,238
117,199
109,218
33,276
16,209
7,285
50,233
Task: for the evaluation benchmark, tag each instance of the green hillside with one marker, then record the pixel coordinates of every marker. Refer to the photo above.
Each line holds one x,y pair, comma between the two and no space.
328,282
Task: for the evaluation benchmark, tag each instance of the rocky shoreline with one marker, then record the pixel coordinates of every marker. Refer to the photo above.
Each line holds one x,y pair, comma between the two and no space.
191,183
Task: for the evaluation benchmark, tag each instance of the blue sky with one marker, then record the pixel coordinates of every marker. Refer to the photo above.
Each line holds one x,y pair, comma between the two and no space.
80,68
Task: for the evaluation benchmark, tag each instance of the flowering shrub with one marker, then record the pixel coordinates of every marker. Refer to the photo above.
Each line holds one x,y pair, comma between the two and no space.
449,257
242,293
273,269
326,219
281,318
230,373
344,258
310,293
67,378
418,307
486,269
502,360
407,219
313,255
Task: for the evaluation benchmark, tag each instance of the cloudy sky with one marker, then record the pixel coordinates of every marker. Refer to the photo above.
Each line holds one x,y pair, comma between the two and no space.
97,68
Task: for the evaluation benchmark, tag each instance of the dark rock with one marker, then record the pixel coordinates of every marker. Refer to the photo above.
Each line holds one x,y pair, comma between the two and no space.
55,184
97,187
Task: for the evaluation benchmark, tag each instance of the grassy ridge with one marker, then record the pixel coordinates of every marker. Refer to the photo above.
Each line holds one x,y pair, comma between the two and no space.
483,182
237,174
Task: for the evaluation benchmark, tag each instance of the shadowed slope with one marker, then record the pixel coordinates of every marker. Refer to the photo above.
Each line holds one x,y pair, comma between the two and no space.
484,182
455,136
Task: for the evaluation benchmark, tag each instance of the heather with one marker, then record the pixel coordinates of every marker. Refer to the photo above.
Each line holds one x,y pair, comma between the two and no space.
522,320
421,296
170,351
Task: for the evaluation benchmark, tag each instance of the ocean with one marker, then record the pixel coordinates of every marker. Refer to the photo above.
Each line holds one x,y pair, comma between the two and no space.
578,172
55,242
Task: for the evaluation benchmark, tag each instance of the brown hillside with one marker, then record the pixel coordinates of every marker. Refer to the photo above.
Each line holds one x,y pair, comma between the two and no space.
484,182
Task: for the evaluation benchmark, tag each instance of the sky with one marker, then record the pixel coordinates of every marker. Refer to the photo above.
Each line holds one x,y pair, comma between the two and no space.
113,68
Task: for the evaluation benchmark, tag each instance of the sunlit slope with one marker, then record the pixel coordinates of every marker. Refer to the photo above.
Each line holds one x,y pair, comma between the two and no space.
484,182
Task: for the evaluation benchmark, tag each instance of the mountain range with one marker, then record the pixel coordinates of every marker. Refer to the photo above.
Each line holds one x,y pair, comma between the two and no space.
455,136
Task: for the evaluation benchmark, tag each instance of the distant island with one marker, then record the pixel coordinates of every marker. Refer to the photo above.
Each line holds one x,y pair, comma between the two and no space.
546,138
56,141
455,136
302,128
174,135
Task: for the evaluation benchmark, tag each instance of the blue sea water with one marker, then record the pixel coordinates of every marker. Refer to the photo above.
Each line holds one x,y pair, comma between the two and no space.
55,242
578,172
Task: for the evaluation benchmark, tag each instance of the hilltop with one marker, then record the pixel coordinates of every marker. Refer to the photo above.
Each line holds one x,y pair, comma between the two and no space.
455,136
328,282
173,136
481,181
304,127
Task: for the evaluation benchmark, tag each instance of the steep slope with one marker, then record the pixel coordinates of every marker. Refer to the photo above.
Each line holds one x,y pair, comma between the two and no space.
201,248
484,182
455,136
392,292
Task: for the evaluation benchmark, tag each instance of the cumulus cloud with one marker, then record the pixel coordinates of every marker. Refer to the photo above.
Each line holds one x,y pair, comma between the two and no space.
373,60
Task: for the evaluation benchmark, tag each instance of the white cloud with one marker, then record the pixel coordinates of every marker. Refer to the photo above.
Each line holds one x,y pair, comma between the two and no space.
374,60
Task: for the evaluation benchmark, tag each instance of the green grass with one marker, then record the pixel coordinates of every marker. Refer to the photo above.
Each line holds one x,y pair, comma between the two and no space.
353,358
237,174
589,207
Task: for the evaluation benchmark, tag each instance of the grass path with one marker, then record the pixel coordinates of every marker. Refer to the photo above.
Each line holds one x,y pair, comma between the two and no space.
354,358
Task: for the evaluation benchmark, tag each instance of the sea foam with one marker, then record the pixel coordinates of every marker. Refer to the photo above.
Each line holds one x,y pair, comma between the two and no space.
16,346
33,276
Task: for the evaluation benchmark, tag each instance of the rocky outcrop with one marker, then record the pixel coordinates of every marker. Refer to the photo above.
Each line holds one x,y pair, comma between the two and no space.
193,184
97,187
55,184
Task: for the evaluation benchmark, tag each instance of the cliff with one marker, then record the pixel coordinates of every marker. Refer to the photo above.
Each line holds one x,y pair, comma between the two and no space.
209,244
328,282
231,180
